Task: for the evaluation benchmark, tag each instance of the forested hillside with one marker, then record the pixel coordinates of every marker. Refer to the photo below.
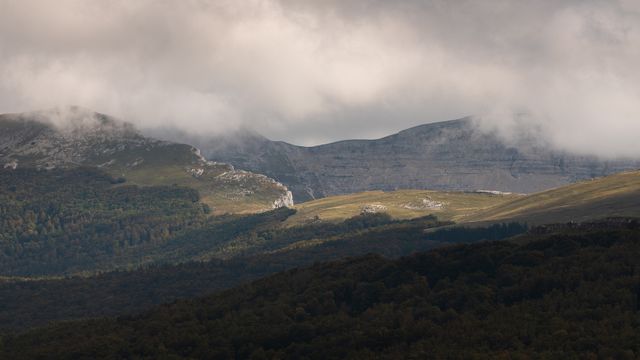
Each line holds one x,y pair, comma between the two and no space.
57,221
259,252
82,220
565,291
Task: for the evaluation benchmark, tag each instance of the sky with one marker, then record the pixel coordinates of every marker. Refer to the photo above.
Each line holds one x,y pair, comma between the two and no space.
310,72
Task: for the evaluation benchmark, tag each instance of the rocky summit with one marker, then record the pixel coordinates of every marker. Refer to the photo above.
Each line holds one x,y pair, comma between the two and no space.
450,155
72,137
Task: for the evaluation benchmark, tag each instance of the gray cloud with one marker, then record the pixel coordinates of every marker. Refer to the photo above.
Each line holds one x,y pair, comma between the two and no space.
315,71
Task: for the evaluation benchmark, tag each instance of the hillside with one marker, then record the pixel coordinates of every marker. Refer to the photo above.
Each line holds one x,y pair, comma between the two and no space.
73,220
614,195
255,249
399,204
71,137
567,293
450,155
60,220
64,221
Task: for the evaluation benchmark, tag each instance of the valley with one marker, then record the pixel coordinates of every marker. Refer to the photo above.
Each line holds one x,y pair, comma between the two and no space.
319,180
231,251
123,223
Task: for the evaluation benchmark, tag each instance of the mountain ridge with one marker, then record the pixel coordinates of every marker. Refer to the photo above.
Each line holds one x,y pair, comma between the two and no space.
71,137
448,155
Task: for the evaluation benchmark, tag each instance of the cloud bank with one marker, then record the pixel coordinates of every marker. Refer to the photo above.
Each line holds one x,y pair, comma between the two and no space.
315,71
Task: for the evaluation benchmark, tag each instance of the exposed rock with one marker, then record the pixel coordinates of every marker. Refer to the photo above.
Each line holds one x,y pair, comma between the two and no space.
196,172
451,155
494,192
285,201
13,164
136,162
425,204
41,140
373,209
108,163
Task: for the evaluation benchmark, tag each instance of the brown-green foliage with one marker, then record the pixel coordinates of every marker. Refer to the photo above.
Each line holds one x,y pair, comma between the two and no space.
29,303
569,292
59,221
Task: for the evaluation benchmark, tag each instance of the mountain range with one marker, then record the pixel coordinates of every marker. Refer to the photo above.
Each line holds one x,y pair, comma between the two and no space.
97,219
449,155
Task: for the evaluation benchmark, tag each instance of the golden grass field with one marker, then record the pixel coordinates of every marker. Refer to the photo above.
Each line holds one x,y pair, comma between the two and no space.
615,195
400,204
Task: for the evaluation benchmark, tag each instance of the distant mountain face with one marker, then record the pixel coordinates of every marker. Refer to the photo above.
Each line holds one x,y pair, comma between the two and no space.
72,137
451,155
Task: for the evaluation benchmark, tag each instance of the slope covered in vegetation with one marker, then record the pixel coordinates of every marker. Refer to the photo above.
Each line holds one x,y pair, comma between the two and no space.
71,137
614,195
399,204
56,221
570,292
260,252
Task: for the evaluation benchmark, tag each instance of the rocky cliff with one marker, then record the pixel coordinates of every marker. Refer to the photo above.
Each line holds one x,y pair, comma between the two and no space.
451,155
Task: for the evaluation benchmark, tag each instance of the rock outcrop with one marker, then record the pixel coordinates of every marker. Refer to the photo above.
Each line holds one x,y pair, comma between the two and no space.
285,201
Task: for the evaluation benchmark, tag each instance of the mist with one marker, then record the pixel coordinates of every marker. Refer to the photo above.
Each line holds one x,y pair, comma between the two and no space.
310,72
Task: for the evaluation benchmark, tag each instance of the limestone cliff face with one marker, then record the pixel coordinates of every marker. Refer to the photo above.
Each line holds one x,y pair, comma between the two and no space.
451,155
286,200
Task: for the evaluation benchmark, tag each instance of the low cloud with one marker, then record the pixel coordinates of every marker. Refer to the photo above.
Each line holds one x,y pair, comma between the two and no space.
315,71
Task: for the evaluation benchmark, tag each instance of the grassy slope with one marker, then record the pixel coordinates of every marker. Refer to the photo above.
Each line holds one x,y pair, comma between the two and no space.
615,195
457,205
169,164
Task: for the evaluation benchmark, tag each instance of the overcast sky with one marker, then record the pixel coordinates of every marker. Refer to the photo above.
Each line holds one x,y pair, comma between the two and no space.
315,71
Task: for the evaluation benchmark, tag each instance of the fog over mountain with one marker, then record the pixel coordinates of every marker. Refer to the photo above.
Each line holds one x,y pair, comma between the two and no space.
448,155
310,72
